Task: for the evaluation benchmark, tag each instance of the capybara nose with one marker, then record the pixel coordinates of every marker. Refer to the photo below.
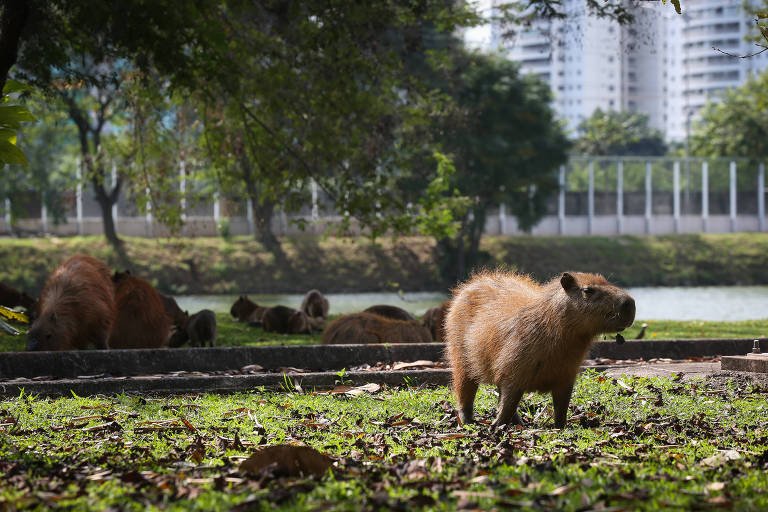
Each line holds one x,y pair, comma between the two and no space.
32,344
628,310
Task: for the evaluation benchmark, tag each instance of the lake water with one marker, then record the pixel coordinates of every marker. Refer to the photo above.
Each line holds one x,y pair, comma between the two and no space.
728,303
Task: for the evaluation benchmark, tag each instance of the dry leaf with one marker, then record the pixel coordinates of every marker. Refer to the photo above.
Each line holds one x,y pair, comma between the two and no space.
415,364
716,486
287,459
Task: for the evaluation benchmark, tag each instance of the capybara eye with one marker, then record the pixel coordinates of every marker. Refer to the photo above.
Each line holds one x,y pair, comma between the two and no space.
588,292
53,317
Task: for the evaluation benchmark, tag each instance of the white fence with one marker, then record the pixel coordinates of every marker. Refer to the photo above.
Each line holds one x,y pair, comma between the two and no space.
598,196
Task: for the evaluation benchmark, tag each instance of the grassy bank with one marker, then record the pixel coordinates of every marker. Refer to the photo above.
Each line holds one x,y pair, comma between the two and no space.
234,334
650,444
216,265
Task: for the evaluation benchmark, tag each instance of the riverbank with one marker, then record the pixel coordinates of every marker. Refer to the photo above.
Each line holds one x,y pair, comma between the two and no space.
339,265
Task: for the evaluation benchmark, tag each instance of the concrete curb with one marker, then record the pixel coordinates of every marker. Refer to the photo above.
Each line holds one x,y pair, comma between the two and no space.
70,364
745,364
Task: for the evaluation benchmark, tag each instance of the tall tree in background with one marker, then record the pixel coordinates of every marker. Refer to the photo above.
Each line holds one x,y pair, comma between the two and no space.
610,133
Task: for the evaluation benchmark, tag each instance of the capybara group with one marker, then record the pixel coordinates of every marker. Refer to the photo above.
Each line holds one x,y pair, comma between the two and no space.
508,330
372,328
245,310
199,329
11,297
76,308
434,319
315,304
141,320
387,311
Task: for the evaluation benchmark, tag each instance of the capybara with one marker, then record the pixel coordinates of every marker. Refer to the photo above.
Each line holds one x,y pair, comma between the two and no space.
172,309
76,308
371,328
245,310
11,297
199,329
387,311
141,320
508,330
315,304
434,319
277,319
302,323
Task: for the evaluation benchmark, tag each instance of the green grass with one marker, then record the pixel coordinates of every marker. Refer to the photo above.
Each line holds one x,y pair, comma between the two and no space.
642,444
234,334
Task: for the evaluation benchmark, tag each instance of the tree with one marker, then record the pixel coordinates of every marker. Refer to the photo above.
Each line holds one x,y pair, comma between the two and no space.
735,125
613,133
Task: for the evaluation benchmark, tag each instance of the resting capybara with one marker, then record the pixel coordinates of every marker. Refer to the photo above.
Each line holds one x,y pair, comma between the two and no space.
508,330
245,310
371,328
434,319
199,329
315,304
76,308
141,320
11,297
387,311
277,319
302,323
172,309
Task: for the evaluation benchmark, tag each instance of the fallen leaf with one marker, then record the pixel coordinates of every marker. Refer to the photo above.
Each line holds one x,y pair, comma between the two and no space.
287,459
421,363
716,486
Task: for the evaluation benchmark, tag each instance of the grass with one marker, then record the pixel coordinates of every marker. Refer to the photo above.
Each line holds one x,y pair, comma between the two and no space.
234,334
632,444
240,264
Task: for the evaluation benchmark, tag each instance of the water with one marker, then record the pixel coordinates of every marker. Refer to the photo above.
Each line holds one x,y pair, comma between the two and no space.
722,303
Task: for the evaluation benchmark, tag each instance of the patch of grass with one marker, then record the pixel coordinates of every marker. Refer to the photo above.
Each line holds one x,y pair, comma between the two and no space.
639,444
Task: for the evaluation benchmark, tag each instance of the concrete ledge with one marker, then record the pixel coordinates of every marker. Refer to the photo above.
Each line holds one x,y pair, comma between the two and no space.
745,364
71,364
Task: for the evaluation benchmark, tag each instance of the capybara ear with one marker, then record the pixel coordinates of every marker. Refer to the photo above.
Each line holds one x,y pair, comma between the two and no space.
53,316
568,281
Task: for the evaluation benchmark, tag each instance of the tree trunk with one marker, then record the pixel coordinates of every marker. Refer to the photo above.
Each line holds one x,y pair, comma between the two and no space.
263,213
15,14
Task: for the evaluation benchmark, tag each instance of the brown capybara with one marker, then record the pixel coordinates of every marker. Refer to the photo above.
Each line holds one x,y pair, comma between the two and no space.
245,310
508,330
302,323
11,297
387,311
172,309
141,320
371,328
277,319
315,304
434,319
199,329
76,308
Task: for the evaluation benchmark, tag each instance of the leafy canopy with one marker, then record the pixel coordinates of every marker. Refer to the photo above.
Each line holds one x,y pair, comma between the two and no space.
607,133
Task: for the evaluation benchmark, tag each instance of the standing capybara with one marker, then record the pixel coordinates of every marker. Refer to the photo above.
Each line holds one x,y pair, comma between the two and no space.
76,308
245,310
141,320
508,330
302,323
387,311
371,328
434,320
315,304
199,329
11,297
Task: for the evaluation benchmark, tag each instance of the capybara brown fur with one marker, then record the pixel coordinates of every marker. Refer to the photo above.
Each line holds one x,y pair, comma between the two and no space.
76,308
172,309
434,321
277,319
315,304
141,320
302,323
245,310
508,330
199,329
372,328
387,311
10,297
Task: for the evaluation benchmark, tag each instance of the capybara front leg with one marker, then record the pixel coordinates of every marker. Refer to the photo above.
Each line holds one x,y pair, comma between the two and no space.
509,398
560,400
465,389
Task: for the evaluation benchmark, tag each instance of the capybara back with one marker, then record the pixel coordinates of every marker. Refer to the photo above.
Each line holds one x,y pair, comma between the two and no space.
387,311
201,328
10,297
434,319
277,319
371,328
76,308
315,304
245,310
141,320
508,330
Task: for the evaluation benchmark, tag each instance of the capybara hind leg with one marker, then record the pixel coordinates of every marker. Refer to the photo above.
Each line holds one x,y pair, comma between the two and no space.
465,389
560,400
509,398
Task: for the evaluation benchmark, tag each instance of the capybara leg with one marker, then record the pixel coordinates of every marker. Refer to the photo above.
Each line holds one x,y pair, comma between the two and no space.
509,398
465,389
560,400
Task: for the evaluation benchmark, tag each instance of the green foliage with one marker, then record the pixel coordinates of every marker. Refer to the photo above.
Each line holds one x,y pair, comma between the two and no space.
623,133
11,119
735,126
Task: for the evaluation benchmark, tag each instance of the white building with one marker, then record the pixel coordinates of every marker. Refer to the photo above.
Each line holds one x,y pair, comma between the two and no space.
662,65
